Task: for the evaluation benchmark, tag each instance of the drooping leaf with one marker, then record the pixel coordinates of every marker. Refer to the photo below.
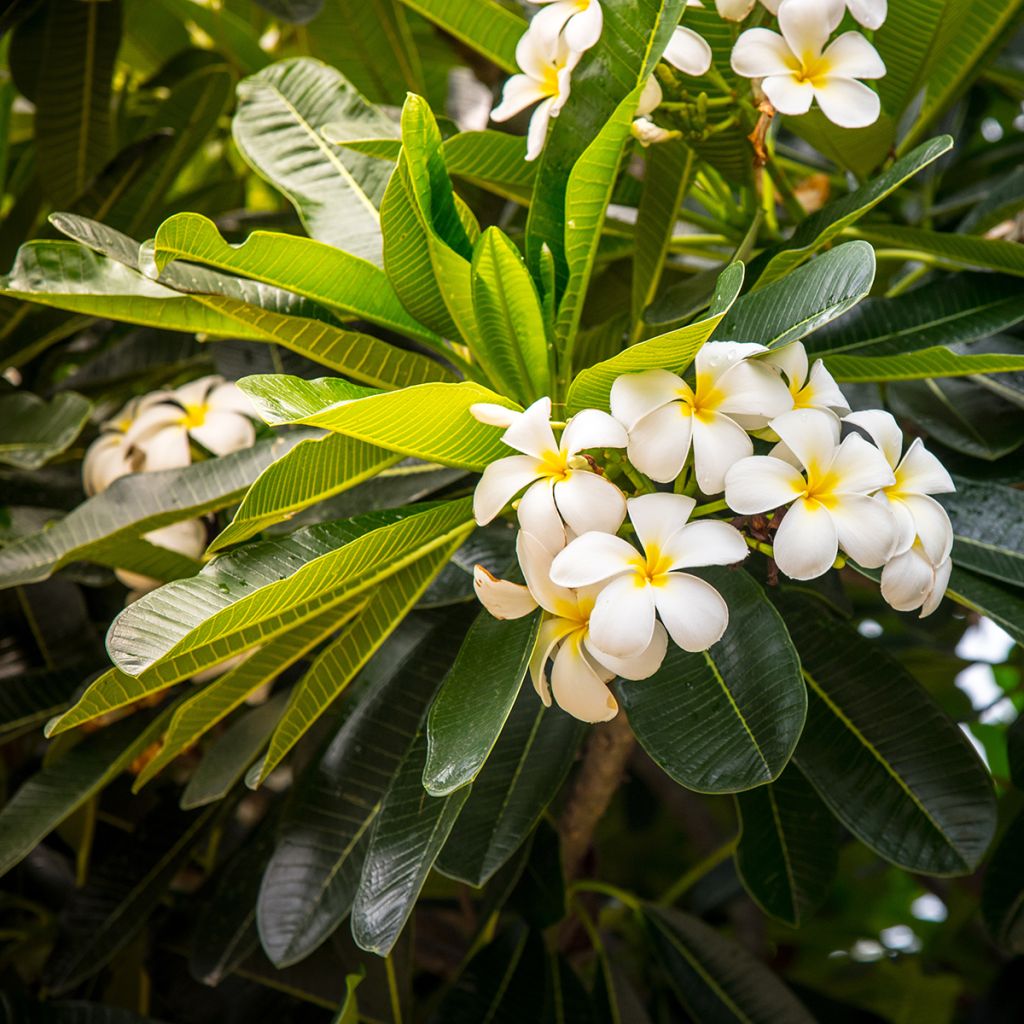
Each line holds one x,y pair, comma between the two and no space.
958,252
33,431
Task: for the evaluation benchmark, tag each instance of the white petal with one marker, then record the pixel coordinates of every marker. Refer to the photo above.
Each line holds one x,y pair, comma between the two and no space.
197,392
650,98
694,613
806,543
821,391
752,389
734,10
807,24
906,528
493,415
772,5
222,433
536,51
229,397
538,515
921,472
622,622
811,435
789,94
715,358
869,13
859,467
535,561
932,525
588,502
584,30
578,688
108,458
547,25
520,92
500,483
759,53
592,558
660,442
867,528
847,103
791,359
531,433
537,132
852,56
761,483
934,599
883,429
634,395
502,598
688,52
706,543
551,633
593,429
907,581
644,665
165,449
187,537
656,517
155,418
718,444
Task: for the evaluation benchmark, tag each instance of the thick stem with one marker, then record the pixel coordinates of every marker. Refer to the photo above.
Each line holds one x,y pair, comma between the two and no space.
608,750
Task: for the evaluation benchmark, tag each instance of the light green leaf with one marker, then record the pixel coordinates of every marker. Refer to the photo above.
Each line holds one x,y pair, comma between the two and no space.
348,1011
957,252
233,36
484,25
672,351
921,364
33,431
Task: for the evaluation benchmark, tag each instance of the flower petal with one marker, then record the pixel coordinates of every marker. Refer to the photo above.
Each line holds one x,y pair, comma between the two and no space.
660,442
593,429
848,103
500,483
109,457
715,358
869,13
934,599
734,10
546,26
761,483
650,98
588,502
551,633
222,433
578,688
791,359
165,449
229,397
584,29
759,53
718,444
906,528
538,515
634,395
622,622
502,598
920,472
197,392
493,415
520,92
643,666
807,24
592,558
694,613
537,133
907,581
706,543
531,432
656,517
789,94
811,435
932,525
688,52
753,389
821,391
535,561
859,467
867,528
852,56
807,542
883,429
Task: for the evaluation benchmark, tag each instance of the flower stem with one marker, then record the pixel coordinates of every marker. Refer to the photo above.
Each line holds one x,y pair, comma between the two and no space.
709,510
685,883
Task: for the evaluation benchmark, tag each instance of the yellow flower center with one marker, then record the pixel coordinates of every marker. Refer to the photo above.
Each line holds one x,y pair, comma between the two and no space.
704,399
194,416
651,568
555,465
813,68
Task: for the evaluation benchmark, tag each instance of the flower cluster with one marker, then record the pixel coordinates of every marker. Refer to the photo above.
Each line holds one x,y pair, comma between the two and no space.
603,550
157,431
791,68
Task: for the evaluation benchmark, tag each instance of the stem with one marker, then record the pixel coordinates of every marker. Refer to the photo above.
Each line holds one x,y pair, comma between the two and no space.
396,1003
709,509
636,478
908,281
697,872
608,750
592,885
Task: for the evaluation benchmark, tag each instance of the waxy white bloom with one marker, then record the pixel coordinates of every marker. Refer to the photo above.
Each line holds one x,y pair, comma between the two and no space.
643,584
561,483
581,22
828,509
737,10
911,581
796,68
211,411
917,475
688,51
811,389
185,538
869,13
665,416
547,72
643,129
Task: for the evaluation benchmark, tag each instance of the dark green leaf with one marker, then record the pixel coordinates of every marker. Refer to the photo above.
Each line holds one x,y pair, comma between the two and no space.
988,526
1002,893
33,431
1003,605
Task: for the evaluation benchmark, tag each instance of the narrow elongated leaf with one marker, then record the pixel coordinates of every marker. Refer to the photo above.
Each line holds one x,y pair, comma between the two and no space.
672,351
897,773
408,835
312,877
466,720
803,301
315,469
957,252
429,421
134,505
277,126
727,719
921,365
715,979
30,698
33,431
484,25
525,770
788,849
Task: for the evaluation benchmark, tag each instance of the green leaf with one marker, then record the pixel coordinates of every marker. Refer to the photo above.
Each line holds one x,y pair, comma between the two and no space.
1002,891
33,431
672,351
512,338
895,771
905,42
312,877
232,35
821,227
348,1011
1003,605
315,469
484,25
988,528
337,194
476,699
921,365
525,770
133,505
429,421
493,160
715,979
408,834
726,719
957,252
788,849
30,698
803,301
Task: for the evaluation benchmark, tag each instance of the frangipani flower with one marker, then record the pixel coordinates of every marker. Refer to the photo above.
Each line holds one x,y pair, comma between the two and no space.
664,415
187,537
580,20
688,51
211,411
816,389
623,623
643,129
917,475
547,72
910,581
797,69
828,509
561,483
737,10
869,13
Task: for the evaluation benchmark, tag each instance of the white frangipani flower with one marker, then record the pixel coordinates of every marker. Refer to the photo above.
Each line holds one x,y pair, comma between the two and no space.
643,129
797,69
813,389
828,509
561,482
187,537
210,411
911,581
623,623
917,475
688,51
737,10
547,73
665,416
579,22
869,13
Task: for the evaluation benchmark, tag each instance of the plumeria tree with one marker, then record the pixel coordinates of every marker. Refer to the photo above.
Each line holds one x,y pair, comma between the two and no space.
365,361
